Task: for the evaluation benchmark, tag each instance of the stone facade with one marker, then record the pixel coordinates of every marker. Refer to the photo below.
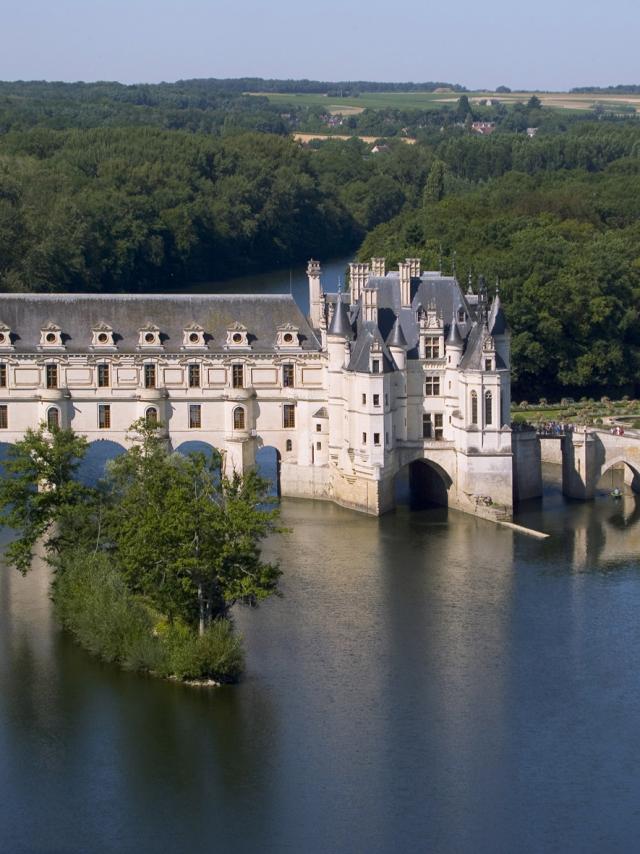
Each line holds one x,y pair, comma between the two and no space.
404,369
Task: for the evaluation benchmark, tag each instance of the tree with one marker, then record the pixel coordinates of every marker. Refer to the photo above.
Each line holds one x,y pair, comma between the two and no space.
434,187
534,103
185,535
463,108
39,489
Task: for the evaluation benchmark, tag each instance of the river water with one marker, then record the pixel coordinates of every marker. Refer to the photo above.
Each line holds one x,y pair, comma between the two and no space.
428,682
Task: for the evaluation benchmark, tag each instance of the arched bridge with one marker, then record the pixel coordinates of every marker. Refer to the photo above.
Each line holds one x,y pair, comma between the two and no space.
586,456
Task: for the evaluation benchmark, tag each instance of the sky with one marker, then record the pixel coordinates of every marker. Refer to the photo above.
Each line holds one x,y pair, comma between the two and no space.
540,44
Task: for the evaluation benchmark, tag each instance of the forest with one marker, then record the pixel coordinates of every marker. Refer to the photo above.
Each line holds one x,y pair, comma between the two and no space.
105,187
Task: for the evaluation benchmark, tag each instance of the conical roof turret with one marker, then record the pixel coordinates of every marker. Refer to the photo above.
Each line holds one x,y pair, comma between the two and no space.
454,339
498,320
396,336
340,321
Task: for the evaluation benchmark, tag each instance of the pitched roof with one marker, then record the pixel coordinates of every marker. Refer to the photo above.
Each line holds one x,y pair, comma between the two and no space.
126,314
360,362
340,324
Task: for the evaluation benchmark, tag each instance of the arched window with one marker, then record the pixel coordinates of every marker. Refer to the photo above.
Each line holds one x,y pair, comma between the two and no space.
488,408
474,407
289,445
53,418
151,417
238,418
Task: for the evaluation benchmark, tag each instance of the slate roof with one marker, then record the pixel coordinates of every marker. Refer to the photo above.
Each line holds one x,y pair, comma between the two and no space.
126,314
340,324
368,333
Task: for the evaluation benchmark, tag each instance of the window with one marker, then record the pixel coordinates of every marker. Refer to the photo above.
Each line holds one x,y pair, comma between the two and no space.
238,418
386,399
52,376
149,376
375,366
437,424
427,426
288,377
289,445
432,347
288,415
3,376
194,376
386,439
103,376
237,376
474,407
318,428
487,365
460,315
195,416
104,416
364,438
4,416
488,408
364,399
432,386
318,446
53,418
376,400
376,438
151,417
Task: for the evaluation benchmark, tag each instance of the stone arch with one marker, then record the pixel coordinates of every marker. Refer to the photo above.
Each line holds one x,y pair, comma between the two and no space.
4,451
197,446
93,464
422,483
631,471
268,466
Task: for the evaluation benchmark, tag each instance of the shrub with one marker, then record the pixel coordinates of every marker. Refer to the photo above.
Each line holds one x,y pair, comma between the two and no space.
543,401
93,603
524,404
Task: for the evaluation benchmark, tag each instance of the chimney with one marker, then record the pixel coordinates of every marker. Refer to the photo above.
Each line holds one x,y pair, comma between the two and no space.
316,298
405,284
358,275
414,266
378,266
370,305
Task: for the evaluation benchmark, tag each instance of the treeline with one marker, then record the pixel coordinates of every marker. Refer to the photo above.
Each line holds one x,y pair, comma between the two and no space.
559,225
620,89
333,88
137,208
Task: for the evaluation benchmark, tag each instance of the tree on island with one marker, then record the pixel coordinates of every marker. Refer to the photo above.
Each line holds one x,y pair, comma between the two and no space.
148,563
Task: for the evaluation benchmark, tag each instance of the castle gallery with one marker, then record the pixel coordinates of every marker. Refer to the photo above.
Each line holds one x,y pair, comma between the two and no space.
404,369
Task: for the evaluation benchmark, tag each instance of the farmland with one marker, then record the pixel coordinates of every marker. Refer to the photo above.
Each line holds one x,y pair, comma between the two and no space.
434,100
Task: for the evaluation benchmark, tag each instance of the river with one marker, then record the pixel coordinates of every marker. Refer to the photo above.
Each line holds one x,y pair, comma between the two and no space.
428,682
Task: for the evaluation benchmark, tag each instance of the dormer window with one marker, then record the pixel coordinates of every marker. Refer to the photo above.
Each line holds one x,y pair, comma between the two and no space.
5,337
287,337
237,336
51,336
461,315
102,336
150,336
193,336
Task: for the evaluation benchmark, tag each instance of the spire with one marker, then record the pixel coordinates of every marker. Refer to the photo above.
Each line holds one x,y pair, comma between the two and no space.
454,339
396,336
340,321
469,283
498,320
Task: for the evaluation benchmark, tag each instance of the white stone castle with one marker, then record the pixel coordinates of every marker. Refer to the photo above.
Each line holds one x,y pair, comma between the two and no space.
404,369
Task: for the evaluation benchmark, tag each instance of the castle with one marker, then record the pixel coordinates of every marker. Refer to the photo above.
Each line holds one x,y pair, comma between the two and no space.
404,369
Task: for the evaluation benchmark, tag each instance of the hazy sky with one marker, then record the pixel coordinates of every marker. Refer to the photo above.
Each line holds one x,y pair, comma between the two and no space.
549,44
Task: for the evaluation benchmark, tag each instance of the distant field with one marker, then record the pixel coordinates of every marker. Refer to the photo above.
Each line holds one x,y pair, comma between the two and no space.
431,100
309,137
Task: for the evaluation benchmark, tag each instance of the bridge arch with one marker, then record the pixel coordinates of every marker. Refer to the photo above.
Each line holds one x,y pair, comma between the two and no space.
423,483
197,446
631,471
268,466
98,455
